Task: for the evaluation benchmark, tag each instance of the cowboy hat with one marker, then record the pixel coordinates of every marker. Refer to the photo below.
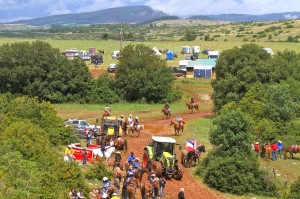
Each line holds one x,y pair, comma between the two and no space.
69,145
118,152
105,178
279,141
256,142
104,195
136,117
153,175
136,159
114,194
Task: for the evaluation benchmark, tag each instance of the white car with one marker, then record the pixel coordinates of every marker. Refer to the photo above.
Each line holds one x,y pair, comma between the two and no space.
80,126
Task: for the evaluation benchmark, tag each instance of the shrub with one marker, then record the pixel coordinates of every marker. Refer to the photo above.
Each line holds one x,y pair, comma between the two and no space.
237,176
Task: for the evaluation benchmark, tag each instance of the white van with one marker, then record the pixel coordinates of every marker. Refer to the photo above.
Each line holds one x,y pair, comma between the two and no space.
213,54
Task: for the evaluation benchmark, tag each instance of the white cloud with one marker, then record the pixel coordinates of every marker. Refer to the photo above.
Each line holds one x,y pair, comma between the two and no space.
192,7
289,17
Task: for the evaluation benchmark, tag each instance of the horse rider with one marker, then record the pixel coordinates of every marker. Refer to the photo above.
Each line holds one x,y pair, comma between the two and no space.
105,185
136,122
69,153
122,119
136,164
280,147
131,158
152,181
167,107
107,109
118,159
192,102
129,120
130,174
179,119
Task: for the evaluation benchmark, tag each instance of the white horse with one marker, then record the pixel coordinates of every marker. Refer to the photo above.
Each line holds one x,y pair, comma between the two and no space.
107,153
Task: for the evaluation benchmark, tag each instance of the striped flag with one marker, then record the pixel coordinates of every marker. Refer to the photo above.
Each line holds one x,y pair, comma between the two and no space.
189,145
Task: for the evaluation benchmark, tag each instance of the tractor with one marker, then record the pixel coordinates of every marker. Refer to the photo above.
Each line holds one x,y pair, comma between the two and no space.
159,157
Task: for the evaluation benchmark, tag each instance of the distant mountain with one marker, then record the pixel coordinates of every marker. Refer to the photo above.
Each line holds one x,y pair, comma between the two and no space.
144,15
249,18
129,14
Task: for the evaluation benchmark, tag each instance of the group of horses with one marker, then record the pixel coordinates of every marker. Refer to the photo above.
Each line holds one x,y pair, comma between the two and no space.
265,151
134,184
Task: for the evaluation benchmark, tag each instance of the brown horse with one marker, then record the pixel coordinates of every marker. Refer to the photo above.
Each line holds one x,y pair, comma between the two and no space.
177,128
146,189
106,113
131,188
118,173
120,143
191,107
167,113
292,149
187,156
124,127
138,129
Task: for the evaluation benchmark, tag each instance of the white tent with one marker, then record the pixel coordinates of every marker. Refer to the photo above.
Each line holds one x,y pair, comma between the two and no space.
156,51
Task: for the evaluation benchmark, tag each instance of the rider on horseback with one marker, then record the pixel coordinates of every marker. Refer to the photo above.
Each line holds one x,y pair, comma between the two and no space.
136,123
105,185
130,174
118,159
152,181
107,109
131,158
179,119
192,102
167,107
129,120
136,164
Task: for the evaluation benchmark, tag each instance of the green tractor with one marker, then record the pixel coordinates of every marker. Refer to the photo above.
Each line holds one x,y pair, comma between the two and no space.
159,157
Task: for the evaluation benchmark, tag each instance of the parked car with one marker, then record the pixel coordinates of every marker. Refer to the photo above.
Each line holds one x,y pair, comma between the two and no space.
115,54
111,68
79,127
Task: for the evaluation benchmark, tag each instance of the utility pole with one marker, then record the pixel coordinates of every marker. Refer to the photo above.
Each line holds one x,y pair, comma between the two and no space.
121,38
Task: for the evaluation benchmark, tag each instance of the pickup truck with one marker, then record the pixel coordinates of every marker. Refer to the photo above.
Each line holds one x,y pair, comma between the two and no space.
79,126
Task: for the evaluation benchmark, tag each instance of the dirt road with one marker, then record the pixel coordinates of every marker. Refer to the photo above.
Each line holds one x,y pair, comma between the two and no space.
159,127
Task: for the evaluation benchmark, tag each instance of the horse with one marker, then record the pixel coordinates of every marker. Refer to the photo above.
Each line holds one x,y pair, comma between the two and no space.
188,156
124,127
166,112
118,173
101,51
138,129
147,188
107,153
266,151
177,128
191,107
106,113
292,149
120,143
131,188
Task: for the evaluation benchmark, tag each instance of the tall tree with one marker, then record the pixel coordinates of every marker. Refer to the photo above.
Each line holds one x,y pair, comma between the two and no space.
141,75
237,70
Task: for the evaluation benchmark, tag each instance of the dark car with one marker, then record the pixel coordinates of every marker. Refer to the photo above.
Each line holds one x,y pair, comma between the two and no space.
111,68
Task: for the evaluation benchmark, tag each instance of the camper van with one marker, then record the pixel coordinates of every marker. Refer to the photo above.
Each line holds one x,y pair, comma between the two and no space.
196,49
213,54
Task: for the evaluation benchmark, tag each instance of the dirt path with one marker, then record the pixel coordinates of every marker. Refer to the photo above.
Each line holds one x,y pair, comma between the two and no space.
157,126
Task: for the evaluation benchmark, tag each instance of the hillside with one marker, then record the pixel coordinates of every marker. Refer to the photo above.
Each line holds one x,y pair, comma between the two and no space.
249,18
129,14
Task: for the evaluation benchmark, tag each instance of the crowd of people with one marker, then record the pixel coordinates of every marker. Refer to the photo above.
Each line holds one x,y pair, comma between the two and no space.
272,151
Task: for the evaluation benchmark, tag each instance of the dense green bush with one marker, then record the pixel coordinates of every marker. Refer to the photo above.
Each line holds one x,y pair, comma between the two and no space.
30,165
237,176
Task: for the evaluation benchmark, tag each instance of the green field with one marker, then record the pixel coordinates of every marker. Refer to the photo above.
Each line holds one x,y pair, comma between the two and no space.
110,46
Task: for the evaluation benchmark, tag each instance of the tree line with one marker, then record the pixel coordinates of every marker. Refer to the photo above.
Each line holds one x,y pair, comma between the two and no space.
38,70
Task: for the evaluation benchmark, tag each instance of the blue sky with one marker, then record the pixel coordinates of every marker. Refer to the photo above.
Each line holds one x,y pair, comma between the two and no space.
12,10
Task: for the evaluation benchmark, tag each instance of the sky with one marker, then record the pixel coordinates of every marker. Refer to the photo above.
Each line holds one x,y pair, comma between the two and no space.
13,10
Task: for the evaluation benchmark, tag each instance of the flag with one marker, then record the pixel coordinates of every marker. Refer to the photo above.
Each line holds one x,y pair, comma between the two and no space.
189,146
195,143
